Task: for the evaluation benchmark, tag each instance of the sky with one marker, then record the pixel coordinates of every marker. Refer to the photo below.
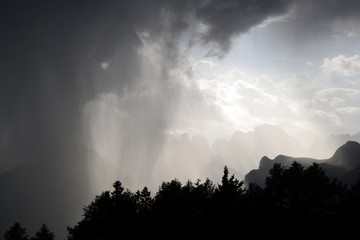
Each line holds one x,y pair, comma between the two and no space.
124,89
296,71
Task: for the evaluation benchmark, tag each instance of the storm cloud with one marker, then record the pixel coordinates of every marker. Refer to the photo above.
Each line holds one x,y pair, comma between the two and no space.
225,20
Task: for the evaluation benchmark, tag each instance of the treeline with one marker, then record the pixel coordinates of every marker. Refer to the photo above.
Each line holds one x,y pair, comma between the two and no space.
16,232
296,203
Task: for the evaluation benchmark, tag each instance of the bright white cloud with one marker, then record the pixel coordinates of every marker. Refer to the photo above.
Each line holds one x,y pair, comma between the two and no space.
336,97
329,119
349,110
246,100
342,65
276,19
333,109
297,86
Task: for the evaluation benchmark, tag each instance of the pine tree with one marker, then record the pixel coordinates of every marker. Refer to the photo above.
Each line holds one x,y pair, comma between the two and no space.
16,232
43,234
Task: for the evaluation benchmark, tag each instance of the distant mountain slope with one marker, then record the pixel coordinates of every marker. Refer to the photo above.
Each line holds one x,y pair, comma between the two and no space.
324,148
347,155
188,157
243,150
344,164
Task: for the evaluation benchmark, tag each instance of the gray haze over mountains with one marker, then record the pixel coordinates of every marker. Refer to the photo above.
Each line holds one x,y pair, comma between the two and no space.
321,148
192,158
195,157
97,91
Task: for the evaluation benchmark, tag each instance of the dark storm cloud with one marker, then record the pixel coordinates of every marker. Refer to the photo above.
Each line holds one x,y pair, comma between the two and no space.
49,56
51,53
313,20
227,19
328,9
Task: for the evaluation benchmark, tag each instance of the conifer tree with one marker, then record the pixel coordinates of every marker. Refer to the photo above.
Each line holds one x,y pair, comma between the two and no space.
16,232
43,234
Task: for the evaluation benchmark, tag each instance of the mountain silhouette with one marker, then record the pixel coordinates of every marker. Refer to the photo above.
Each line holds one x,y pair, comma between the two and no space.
347,155
243,149
344,165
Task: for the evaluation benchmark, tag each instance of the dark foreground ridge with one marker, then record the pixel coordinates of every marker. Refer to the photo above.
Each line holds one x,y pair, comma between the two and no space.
296,202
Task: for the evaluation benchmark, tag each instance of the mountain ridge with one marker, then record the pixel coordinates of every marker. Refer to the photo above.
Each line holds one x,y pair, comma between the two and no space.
344,164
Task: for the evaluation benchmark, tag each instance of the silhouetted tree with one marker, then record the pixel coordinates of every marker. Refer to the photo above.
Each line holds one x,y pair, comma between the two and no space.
296,203
230,185
169,210
303,200
143,200
225,207
144,203
96,219
16,232
118,190
43,234
112,214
